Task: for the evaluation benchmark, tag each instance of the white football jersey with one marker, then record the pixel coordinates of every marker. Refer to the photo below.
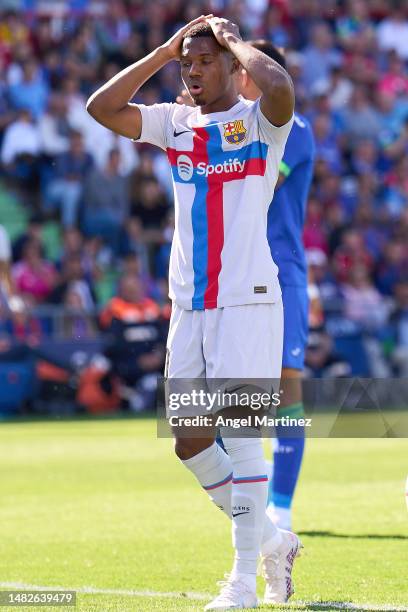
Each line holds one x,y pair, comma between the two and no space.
225,167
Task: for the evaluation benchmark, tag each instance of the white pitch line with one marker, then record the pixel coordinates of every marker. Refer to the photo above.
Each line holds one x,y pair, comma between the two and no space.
201,597
338,605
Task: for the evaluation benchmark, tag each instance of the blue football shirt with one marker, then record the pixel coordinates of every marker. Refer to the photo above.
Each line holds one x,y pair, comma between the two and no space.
286,214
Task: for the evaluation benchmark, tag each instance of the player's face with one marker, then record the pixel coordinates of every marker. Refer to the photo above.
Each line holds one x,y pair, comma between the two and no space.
207,73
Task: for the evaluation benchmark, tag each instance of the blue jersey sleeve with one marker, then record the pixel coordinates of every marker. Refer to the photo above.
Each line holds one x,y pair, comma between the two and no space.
299,147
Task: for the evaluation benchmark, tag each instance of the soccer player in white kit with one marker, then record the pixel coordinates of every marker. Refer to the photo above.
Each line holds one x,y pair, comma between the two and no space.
227,319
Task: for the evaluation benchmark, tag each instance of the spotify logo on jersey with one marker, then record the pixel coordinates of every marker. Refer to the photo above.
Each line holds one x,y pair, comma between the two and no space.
185,167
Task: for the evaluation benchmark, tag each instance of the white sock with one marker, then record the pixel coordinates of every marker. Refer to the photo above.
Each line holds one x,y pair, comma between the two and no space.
281,517
248,500
213,470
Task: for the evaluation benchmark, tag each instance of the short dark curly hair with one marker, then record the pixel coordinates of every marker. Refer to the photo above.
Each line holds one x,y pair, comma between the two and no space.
201,29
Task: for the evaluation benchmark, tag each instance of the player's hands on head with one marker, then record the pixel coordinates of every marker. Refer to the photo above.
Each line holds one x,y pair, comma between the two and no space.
173,45
222,28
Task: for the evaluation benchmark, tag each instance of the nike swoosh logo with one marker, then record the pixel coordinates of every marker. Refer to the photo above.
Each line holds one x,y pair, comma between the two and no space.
175,133
238,514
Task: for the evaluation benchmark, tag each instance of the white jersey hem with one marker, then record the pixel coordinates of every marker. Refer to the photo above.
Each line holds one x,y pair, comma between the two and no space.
242,301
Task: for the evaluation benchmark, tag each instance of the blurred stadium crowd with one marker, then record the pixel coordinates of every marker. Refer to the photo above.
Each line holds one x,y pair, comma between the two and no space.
89,215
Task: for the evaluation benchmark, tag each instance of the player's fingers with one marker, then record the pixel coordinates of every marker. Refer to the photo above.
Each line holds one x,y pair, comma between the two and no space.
194,21
200,18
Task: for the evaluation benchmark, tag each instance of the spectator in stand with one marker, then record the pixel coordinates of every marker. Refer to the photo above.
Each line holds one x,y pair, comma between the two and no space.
22,327
340,89
395,80
133,266
324,280
392,268
43,39
54,127
106,202
100,142
33,232
365,191
399,328
72,272
20,152
66,189
114,29
77,322
360,119
335,223
395,196
72,244
13,29
320,56
82,56
362,301
151,207
349,254
97,258
327,147
129,52
313,233
34,277
75,100
75,246
375,236
321,359
354,22
294,65
389,115
364,158
163,254
398,147
273,28
136,342
392,33
7,113
145,170
329,191
6,285
134,241
360,63
31,92
21,140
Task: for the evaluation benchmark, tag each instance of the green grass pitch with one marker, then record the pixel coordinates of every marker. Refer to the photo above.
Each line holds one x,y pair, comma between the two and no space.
105,504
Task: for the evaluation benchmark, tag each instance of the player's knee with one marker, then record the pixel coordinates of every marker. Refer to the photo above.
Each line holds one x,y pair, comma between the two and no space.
186,448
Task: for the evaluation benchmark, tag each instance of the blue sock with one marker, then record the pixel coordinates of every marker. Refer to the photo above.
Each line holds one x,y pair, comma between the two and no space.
220,443
287,459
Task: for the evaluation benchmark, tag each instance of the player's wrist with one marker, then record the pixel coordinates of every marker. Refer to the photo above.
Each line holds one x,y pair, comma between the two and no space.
166,53
230,39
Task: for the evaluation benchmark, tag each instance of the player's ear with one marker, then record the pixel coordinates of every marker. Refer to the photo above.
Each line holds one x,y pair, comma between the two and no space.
244,77
235,65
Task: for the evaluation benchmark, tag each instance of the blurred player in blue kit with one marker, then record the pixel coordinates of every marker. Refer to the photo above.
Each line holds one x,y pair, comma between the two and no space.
285,226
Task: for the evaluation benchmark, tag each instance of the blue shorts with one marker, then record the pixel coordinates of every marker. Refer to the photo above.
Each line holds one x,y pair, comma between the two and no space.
295,312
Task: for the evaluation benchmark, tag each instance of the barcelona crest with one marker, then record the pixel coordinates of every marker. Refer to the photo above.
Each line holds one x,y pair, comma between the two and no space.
234,131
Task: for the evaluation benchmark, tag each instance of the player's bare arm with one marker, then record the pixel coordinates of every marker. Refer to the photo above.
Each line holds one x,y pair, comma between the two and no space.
111,104
278,98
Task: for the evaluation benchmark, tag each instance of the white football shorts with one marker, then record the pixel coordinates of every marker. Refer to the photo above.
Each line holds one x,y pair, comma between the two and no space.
234,342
